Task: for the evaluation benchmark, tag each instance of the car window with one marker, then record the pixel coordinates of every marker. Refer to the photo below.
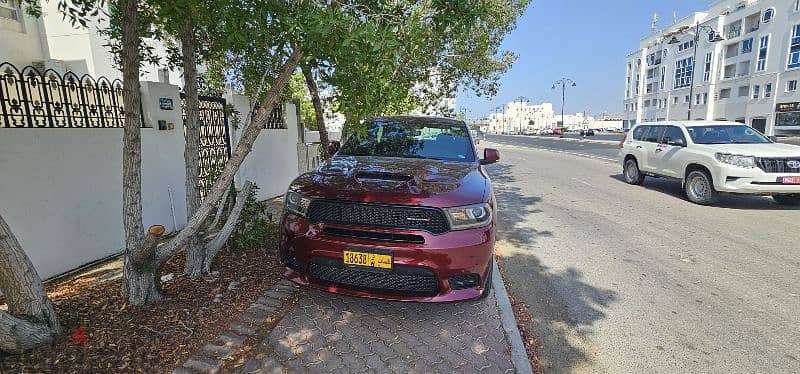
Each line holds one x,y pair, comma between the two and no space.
412,138
726,134
638,132
672,134
654,134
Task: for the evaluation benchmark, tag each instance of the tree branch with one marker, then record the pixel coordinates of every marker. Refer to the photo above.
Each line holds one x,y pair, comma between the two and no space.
222,237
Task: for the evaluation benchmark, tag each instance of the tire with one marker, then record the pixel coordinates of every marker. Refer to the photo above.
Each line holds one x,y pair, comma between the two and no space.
632,173
788,200
699,188
488,288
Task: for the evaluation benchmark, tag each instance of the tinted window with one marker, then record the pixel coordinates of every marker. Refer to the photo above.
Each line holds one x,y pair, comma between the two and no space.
726,134
654,134
672,134
412,138
638,132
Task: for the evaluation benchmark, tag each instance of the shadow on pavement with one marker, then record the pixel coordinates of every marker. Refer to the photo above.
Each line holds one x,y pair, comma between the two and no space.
563,305
727,201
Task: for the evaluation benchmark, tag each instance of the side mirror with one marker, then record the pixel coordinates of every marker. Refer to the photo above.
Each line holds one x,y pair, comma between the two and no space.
773,138
333,147
675,142
490,156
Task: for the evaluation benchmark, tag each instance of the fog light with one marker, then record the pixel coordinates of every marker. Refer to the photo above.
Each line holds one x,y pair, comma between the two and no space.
463,281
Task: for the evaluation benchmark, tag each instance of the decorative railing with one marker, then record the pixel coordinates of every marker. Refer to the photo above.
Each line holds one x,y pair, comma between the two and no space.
33,99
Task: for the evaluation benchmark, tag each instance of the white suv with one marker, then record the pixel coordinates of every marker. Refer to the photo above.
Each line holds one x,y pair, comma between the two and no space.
712,157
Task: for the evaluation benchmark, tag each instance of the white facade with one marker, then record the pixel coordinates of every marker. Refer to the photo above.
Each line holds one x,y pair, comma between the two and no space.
520,117
751,76
50,42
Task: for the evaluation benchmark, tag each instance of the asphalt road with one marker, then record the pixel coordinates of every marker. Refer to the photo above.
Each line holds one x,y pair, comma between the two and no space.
586,148
635,279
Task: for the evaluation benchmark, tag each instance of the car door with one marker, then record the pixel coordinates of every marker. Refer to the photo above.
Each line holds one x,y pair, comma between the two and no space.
633,145
667,157
649,144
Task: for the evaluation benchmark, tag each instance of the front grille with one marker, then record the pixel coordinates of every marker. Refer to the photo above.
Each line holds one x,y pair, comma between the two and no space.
376,215
400,278
463,281
372,235
777,165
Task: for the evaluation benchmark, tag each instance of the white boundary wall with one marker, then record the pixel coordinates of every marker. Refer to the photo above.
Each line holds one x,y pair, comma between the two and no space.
61,189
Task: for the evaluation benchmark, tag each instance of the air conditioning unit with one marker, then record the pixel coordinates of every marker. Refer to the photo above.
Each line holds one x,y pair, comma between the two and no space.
56,65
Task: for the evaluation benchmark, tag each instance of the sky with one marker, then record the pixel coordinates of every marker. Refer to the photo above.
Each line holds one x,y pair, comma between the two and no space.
585,40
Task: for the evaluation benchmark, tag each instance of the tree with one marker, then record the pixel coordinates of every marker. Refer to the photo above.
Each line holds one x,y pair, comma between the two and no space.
319,113
31,319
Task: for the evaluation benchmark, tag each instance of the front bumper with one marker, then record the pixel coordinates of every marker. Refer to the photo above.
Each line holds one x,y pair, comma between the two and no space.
439,262
753,181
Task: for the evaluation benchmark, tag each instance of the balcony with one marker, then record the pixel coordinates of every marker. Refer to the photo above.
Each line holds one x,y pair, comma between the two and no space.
733,30
752,22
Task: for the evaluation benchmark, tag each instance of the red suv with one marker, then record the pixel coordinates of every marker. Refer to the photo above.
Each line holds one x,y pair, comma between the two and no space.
403,211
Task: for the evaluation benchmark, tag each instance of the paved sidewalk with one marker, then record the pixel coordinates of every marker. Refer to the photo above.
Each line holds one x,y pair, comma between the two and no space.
330,333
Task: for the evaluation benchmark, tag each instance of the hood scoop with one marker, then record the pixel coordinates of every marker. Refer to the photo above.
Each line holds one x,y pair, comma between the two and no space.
383,176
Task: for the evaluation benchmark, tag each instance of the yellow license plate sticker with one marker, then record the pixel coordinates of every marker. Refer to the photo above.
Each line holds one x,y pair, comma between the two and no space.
374,260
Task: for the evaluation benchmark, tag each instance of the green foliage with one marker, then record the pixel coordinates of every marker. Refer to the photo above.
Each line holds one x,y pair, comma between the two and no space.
252,229
298,90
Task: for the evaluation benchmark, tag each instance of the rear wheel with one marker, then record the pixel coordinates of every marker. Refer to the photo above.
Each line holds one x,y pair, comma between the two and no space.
790,199
488,287
632,173
700,188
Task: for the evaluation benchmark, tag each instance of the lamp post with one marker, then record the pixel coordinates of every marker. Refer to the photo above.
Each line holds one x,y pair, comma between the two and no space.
713,37
563,82
497,110
520,99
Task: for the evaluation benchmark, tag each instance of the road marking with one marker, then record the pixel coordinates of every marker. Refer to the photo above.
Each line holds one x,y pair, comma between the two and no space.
558,151
581,181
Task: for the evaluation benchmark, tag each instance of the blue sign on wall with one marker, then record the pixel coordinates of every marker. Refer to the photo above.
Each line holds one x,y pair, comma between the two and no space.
165,103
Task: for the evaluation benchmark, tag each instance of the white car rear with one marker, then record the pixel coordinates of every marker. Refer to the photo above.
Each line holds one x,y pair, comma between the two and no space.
712,157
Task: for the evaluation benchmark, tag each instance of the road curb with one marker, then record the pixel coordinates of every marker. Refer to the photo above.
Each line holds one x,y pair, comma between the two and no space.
519,357
576,140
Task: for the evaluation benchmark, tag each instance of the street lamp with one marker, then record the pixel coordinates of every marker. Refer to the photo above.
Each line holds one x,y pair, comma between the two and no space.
563,82
520,99
713,37
497,110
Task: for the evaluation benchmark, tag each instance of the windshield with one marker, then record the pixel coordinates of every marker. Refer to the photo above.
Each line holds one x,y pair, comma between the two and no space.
412,138
727,134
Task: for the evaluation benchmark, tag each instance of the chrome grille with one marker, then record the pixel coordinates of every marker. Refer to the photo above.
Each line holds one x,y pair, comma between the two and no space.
778,165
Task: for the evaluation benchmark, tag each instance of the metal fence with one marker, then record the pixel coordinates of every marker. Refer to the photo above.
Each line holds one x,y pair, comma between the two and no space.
215,142
33,99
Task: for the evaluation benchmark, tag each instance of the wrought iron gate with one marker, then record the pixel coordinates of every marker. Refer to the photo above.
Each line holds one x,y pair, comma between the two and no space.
215,141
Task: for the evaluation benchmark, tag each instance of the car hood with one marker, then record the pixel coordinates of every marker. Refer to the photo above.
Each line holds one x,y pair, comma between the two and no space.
392,180
758,150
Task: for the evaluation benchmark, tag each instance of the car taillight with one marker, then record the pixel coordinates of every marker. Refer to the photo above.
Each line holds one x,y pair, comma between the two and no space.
624,137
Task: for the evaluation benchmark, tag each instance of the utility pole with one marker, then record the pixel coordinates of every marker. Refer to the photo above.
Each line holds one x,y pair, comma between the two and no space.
563,82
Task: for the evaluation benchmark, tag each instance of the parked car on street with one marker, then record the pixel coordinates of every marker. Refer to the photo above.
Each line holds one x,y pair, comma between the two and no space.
587,132
403,211
712,157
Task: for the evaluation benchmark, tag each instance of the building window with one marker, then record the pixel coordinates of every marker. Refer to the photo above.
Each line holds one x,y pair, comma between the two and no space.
787,119
763,46
646,103
791,86
707,68
664,52
675,100
768,90
686,99
767,15
794,48
697,99
705,97
744,91
725,93
747,45
683,72
663,77
756,91
686,45
9,10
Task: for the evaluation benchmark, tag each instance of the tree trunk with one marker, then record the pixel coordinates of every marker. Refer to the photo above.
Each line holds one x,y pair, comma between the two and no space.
220,210
243,148
230,224
31,319
195,252
318,111
139,286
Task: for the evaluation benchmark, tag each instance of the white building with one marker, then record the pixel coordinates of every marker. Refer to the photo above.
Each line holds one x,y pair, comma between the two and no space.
50,42
750,76
520,117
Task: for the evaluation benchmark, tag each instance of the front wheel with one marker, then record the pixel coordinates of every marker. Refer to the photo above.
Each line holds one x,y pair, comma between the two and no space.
789,200
632,173
700,188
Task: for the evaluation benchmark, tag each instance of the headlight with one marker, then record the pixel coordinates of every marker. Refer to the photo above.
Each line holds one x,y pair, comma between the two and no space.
466,217
296,203
747,162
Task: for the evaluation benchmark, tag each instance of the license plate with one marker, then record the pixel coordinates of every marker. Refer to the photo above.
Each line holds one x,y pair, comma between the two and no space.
790,180
368,259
